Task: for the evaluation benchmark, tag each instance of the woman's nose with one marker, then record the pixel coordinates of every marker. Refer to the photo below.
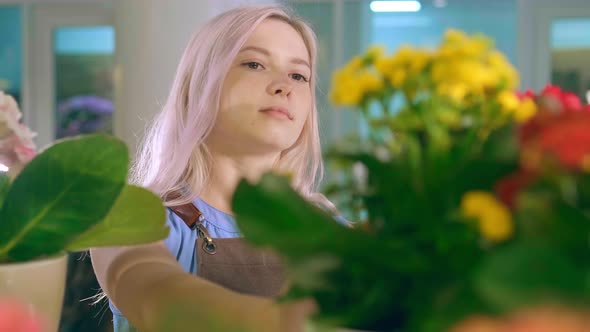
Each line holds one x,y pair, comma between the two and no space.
280,86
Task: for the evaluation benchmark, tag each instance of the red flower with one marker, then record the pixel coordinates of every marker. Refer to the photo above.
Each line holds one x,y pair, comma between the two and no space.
568,139
508,188
567,101
551,90
564,136
571,102
561,129
527,94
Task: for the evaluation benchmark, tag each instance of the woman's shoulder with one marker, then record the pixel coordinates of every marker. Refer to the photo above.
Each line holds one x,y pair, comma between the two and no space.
219,224
175,222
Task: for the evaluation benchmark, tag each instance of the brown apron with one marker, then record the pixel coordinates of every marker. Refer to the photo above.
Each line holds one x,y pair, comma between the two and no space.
232,262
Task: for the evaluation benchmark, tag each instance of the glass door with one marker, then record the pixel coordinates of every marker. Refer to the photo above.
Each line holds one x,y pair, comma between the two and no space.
570,55
83,67
70,66
553,44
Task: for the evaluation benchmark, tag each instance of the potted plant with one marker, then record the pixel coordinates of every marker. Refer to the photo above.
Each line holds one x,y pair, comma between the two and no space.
71,196
470,199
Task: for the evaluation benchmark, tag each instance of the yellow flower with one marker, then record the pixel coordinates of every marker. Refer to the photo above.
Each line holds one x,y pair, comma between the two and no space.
346,90
419,61
349,86
526,110
457,44
480,76
404,54
521,110
375,52
497,60
454,91
346,96
498,63
496,225
441,71
447,52
369,81
405,63
493,218
351,97
474,202
356,63
454,36
397,77
508,101
384,65
476,46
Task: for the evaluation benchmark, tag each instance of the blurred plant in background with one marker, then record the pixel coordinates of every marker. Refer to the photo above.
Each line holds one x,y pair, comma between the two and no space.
471,198
85,115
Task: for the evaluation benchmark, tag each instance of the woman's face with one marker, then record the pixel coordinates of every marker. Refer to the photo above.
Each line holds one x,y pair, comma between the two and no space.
266,95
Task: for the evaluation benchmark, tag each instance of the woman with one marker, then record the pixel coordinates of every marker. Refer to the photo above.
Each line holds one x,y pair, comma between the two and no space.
242,103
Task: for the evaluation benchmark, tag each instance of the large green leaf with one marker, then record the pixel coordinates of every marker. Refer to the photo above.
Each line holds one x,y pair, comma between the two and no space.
525,273
287,222
137,217
342,268
60,194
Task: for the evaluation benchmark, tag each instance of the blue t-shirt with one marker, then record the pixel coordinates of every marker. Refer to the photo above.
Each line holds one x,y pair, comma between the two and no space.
181,243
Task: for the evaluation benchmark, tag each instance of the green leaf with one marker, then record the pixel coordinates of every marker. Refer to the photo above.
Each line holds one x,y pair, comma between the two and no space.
4,185
341,267
284,218
137,217
523,274
60,194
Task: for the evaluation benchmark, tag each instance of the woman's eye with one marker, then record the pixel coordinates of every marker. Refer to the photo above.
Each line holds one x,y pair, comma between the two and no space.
253,65
299,77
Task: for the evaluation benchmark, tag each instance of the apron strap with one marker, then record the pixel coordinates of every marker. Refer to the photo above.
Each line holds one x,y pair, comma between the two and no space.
193,218
189,213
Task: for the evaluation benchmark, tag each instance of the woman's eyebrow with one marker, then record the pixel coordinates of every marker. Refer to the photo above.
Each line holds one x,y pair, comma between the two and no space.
264,51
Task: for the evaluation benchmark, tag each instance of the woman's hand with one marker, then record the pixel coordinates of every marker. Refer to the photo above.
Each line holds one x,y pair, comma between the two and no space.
294,315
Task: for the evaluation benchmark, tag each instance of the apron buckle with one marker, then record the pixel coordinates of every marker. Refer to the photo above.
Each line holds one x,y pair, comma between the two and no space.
208,245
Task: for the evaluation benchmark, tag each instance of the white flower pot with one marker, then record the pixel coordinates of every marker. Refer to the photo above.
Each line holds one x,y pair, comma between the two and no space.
38,284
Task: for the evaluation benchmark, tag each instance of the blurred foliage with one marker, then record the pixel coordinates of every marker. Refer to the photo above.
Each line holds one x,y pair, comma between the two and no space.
467,197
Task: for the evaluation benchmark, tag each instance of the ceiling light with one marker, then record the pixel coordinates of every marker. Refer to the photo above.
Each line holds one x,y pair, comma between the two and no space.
395,6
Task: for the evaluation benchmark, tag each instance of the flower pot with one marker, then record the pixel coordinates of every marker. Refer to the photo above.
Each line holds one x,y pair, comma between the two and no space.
39,285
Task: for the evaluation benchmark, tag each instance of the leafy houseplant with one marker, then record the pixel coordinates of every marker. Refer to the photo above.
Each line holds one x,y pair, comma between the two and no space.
471,198
71,197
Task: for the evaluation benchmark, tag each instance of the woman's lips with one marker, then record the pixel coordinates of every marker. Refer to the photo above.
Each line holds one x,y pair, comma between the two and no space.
278,112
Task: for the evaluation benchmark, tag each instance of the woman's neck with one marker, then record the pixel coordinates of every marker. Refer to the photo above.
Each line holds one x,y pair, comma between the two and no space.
226,173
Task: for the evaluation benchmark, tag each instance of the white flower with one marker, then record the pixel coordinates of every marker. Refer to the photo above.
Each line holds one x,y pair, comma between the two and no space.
16,140
9,114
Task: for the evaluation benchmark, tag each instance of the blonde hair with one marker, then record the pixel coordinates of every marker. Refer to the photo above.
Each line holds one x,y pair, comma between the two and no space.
173,158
